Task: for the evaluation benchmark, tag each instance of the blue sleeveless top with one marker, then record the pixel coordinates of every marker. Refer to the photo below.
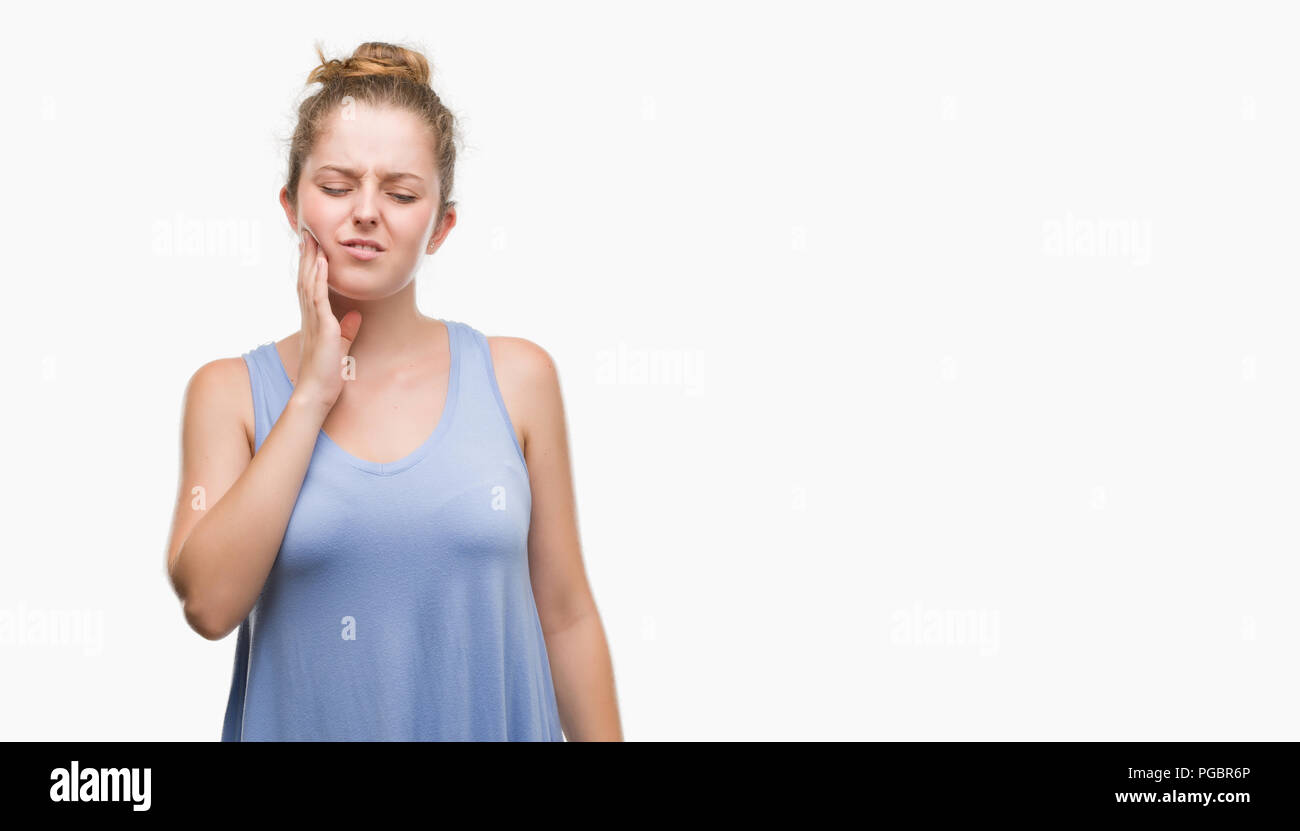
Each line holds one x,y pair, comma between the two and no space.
399,606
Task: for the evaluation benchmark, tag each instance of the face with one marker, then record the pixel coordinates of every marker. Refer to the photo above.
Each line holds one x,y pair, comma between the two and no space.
371,176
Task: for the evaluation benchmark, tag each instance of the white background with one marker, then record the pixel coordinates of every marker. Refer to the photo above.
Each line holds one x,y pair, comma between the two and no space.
989,428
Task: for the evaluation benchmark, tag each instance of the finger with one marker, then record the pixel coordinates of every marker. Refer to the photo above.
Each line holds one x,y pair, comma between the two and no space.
322,287
349,325
307,297
307,265
304,299
311,285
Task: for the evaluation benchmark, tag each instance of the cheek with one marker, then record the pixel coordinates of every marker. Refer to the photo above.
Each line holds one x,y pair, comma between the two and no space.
414,224
318,218
411,233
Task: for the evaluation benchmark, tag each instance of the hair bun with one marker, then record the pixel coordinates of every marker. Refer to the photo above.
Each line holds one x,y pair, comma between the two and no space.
372,58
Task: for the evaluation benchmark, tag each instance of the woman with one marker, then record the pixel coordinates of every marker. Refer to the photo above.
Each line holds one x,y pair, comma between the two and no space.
391,580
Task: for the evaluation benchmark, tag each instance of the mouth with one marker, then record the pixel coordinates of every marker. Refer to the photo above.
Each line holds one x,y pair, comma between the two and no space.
362,250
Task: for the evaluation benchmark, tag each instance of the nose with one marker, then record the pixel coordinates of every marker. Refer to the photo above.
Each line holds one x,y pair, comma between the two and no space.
364,211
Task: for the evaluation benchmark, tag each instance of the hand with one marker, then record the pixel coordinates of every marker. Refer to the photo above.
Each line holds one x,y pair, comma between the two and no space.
325,341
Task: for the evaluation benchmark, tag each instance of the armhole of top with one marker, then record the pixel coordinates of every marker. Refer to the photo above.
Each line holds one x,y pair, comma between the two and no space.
501,404
252,397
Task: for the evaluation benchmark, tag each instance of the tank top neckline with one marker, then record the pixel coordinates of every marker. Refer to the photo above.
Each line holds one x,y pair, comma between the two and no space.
332,448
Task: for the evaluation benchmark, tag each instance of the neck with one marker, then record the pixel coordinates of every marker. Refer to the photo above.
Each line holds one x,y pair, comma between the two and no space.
391,328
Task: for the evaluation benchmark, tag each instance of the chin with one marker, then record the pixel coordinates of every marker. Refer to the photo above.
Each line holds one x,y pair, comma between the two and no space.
354,289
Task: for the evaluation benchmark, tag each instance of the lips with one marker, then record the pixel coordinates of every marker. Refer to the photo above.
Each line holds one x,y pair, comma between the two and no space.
363,244
362,251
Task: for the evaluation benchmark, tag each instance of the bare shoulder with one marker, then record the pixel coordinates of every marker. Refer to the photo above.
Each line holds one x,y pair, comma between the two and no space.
528,379
220,389
521,354
215,441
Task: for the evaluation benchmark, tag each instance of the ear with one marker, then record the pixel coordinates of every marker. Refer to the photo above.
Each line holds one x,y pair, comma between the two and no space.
289,212
440,233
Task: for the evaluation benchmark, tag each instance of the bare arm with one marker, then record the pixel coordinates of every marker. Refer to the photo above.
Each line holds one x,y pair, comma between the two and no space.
233,507
575,638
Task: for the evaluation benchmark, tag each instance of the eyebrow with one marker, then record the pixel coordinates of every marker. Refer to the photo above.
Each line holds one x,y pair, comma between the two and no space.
356,174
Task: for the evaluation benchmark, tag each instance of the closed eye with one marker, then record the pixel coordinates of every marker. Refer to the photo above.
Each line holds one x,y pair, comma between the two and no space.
400,197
